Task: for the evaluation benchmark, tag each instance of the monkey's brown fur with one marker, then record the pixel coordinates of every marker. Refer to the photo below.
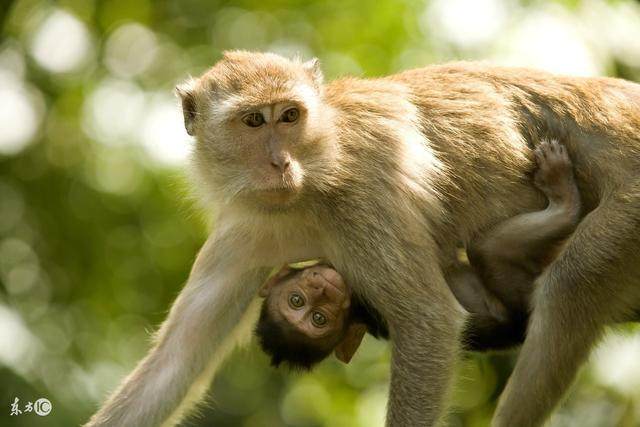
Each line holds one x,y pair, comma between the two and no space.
387,177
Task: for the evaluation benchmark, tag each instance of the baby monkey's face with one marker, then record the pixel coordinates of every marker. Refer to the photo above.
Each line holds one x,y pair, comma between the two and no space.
314,301
309,313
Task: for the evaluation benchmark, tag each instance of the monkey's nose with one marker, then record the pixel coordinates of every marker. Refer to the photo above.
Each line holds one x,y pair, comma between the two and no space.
281,160
282,164
314,283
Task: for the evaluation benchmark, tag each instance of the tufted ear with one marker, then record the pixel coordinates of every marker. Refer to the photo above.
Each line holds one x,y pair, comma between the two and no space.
186,92
312,67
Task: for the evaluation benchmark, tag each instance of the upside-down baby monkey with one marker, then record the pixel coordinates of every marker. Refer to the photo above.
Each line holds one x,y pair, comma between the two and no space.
309,313
383,178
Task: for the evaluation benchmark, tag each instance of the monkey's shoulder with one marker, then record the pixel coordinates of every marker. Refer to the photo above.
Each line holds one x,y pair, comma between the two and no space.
369,99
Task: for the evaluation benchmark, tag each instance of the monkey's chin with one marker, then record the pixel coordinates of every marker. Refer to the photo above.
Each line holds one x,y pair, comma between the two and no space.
276,198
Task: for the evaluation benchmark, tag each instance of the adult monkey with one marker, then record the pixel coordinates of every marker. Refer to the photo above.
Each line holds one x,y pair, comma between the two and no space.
384,178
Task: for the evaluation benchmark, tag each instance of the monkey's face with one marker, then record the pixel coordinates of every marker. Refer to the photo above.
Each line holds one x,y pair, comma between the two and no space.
261,127
313,302
306,315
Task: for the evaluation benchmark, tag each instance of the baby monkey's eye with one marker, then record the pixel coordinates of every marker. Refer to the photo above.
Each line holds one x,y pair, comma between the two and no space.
296,301
290,115
253,120
318,319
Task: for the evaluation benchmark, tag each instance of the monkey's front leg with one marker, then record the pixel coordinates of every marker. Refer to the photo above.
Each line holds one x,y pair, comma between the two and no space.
195,336
425,324
423,360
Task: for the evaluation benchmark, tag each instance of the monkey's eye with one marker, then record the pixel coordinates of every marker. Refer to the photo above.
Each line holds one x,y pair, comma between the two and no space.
253,120
318,319
296,301
290,115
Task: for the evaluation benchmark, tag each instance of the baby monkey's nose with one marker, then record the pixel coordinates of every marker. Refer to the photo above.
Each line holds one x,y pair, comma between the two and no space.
314,280
317,284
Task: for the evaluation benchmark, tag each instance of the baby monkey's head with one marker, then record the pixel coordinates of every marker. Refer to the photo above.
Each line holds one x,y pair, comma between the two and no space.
305,316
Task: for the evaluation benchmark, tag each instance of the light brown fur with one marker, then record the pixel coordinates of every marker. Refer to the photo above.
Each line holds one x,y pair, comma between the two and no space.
393,174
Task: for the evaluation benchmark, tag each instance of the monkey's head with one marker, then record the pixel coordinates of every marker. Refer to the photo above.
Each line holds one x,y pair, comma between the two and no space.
263,132
305,317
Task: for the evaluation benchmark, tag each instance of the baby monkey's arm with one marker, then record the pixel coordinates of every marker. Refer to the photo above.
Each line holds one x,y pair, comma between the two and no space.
509,257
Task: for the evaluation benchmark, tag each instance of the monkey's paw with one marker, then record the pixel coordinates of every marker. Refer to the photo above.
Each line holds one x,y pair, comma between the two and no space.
554,175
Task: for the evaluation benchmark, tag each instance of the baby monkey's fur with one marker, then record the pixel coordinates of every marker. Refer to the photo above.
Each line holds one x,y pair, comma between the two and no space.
384,178
495,287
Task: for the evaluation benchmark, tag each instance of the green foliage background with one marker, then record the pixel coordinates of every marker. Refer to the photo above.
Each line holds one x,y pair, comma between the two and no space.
97,235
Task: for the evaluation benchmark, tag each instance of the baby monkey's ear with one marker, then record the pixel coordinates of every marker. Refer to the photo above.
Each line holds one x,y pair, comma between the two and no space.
347,347
266,287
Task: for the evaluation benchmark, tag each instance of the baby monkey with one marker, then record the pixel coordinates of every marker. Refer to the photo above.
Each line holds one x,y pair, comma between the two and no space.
309,313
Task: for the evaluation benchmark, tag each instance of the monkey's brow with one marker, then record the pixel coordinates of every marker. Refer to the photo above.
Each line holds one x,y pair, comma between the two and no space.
243,107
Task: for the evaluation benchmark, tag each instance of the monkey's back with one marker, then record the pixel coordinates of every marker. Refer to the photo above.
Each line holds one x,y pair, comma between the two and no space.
485,119
472,100
482,121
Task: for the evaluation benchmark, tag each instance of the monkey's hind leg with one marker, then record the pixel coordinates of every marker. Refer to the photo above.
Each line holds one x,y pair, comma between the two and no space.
595,280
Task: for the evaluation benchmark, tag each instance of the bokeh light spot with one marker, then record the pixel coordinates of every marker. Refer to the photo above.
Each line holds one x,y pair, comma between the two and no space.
616,363
548,39
20,114
465,23
113,111
62,43
17,344
371,407
162,134
130,50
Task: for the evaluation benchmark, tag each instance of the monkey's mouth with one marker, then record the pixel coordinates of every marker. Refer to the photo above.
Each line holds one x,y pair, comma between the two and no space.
279,185
276,195
276,189
287,183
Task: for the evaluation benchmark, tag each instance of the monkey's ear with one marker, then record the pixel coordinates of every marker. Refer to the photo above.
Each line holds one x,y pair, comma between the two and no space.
266,287
312,67
186,92
347,347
